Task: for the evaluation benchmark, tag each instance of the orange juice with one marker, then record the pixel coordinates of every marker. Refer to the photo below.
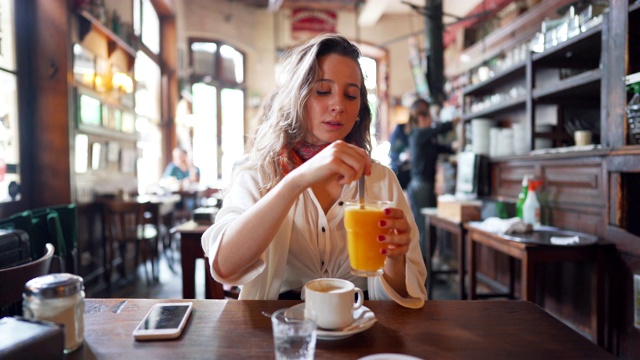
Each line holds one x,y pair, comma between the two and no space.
363,228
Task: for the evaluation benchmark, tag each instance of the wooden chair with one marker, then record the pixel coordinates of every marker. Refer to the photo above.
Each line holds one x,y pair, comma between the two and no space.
13,279
126,223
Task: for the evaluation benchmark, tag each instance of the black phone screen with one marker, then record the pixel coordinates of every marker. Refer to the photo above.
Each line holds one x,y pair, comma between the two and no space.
164,317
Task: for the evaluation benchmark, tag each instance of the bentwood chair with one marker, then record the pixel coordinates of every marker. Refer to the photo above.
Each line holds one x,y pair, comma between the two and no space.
13,279
127,224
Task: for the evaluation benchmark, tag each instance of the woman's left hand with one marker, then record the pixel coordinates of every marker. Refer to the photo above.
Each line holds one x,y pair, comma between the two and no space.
397,233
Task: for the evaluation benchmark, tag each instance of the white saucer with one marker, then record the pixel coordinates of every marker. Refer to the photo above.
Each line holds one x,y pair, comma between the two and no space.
369,320
389,356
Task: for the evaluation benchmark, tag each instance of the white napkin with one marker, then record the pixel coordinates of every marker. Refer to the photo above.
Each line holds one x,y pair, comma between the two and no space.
504,226
564,240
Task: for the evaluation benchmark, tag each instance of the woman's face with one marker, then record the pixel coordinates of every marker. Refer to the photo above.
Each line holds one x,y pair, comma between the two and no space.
334,102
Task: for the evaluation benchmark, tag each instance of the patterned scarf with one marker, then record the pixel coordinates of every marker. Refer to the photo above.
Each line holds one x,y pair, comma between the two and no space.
301,152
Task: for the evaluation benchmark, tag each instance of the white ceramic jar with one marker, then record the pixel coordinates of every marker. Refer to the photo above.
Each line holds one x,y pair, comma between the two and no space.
57,298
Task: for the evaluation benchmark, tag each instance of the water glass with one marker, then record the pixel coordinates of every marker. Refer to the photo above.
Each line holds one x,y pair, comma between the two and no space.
294,335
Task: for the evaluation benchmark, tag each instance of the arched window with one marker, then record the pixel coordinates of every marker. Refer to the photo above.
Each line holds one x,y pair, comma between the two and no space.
218,93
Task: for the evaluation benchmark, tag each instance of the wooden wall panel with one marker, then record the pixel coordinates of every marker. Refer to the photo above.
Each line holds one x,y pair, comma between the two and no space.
574,184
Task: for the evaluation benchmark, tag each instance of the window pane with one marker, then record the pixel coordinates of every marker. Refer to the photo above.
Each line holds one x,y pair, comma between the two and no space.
232,64
203,55
9,140
370,72
147,74
7,42
232,129
150,27
205,132
137,17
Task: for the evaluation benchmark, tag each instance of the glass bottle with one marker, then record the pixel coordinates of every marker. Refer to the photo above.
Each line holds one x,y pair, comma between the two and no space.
633,114
58,298
522,196
531,206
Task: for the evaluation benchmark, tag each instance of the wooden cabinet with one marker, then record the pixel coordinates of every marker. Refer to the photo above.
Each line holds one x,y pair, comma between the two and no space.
595,191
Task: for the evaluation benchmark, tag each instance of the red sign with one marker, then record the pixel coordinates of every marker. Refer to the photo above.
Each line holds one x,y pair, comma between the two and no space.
313,22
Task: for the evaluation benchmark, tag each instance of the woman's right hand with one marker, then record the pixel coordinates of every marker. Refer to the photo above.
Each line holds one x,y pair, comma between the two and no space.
345,161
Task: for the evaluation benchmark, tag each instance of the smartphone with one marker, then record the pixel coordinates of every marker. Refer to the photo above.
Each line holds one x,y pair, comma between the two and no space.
163,321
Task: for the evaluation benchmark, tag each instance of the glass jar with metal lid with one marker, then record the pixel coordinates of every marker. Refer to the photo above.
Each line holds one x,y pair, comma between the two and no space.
58,298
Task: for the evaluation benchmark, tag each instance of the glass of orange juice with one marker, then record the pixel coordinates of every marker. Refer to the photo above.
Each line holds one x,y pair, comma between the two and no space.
363,229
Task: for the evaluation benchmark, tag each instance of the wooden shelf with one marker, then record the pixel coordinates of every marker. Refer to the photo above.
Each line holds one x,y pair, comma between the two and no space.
89,23
582,50
513,72
106,132
584,84
497,109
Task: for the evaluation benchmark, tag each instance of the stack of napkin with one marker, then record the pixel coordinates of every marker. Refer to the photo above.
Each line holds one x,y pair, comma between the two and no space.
505,226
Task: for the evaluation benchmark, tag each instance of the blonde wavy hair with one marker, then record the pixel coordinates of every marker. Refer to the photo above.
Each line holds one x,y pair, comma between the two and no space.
285,124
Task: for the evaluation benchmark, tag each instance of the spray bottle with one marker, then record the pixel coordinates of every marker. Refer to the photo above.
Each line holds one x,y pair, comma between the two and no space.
531,206
522,196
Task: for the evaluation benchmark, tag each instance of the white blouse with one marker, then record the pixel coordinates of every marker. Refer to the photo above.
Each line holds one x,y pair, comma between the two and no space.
311,245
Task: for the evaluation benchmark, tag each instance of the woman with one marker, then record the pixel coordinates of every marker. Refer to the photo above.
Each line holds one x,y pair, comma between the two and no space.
424,149
282,220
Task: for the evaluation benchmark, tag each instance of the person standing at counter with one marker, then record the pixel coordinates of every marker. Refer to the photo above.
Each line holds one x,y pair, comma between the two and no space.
281,222
424,149
399,154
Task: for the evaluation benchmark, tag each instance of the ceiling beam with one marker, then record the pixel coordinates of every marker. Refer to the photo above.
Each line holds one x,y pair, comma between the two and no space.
274,5
371,12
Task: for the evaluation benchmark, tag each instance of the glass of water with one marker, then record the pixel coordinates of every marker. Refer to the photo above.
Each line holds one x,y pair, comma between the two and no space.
294,334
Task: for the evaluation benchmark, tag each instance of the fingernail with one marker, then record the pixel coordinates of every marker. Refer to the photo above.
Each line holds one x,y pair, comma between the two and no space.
387,211
383,223
381,238
383,251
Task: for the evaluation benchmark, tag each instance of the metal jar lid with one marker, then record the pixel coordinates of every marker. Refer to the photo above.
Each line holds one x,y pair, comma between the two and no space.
54,286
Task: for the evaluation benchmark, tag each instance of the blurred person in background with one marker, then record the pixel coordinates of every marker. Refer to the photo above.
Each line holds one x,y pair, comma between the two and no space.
181,167
424,149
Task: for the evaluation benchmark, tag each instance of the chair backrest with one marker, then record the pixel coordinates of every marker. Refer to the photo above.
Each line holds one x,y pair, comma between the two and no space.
125,220
13,279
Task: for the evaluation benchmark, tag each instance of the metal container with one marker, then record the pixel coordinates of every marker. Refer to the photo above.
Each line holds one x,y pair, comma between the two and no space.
57,298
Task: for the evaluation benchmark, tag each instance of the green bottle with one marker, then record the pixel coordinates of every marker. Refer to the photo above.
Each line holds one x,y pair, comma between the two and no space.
522,196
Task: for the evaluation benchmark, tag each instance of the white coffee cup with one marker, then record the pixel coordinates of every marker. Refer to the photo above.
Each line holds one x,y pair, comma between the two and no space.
582,137
333,300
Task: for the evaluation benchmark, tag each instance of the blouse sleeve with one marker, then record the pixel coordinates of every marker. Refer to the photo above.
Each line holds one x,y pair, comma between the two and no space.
243,194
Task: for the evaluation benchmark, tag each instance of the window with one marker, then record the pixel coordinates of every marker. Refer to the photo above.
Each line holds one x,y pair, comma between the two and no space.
9,134
146,24
217,86
148,94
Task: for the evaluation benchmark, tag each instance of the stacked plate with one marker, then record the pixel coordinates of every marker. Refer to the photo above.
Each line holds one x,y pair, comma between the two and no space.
520,144
480,138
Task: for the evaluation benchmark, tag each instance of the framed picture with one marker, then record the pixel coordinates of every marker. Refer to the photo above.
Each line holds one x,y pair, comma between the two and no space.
96,155
128,122
82,153
84,66
89,110
113,151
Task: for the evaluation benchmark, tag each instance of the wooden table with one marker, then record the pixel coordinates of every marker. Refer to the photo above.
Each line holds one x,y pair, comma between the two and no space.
191,250
458,232
531,255
236,329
